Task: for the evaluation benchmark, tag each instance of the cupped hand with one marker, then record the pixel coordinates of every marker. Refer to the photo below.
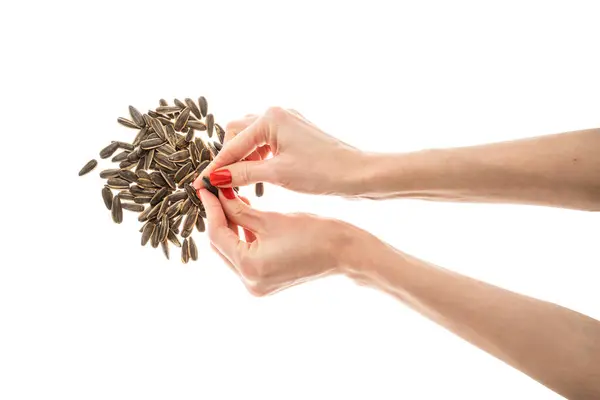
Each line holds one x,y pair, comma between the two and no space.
280,250
304,158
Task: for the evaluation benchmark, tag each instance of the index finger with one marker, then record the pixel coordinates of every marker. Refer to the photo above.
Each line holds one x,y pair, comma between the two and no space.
243,144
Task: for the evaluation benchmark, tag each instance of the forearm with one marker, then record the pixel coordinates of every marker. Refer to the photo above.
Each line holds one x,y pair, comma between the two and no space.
557,170
556,346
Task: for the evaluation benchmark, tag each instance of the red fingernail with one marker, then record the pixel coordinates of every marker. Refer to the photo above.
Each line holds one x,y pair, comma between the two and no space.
220,177
228,193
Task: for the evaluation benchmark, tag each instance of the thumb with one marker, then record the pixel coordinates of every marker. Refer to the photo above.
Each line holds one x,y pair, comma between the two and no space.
243,173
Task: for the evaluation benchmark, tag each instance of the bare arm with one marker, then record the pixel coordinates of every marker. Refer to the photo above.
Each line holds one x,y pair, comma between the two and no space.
560,170
558,347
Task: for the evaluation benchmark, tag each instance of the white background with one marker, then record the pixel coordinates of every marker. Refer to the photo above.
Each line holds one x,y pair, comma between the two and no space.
87,313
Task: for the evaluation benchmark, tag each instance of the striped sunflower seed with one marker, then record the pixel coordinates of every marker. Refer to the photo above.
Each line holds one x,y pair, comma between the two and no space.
117,183
107,196
164,245
203,104
127,123
185,252
147,232
193,249
116,210
109,150
172,237
132,207
210,124
151,143
88,167
182,119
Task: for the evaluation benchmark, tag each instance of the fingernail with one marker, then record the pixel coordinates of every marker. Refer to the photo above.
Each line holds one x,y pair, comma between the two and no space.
220,177
228,193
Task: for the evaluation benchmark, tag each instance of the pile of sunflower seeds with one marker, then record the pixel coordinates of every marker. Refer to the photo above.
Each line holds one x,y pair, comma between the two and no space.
158,169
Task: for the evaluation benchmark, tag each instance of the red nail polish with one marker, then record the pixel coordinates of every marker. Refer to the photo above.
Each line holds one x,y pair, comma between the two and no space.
220,177
228,193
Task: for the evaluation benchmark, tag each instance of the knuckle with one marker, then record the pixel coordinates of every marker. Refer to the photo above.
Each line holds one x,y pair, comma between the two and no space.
256,290
276,113
244,173
251,269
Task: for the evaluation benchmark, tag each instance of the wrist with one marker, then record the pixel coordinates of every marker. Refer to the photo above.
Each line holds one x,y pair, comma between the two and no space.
398,175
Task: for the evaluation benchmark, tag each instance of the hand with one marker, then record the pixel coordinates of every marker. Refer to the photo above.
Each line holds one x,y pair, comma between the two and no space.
280,250
305,159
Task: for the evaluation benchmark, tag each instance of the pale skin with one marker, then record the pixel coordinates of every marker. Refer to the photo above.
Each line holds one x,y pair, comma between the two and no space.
556,346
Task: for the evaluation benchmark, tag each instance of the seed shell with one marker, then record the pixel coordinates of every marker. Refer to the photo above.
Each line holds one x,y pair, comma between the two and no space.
117,183
172,237
109,150
209,186
203,104
182,119
193,249
89,166
259,189
136,116
210,124
185,251
107,196
127,123
165,248
151,143
200,224
147,232
132,207
116,210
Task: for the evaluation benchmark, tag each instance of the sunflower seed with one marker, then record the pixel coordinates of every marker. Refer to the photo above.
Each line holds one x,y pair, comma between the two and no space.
172,237
154,212
174,209
120,157
182,119
140,191
179,195
165,248
127,123
157,198
107,196
126,195
218,146
154,239
209,186
147,232
171,135
142,174
163,208
205,155
128,175
185,252
220,133
202,166
168,179
200,224
155,114
167,109
157,179
89,166
189,178
142,199
259,189
163,228
193,249
117,183
109,150
179,104
189,136
194,153
144,215
132,207
126,164
192,195
182,172
146,183
151,143
203,105
193,107
179,156
200,126
210,124
163,102
116,210
158,128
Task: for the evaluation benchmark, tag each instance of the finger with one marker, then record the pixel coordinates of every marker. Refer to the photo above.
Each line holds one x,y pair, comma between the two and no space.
223,238
239,147
239,212
249,236
243,173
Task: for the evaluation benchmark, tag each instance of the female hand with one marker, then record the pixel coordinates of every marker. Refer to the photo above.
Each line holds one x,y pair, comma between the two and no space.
281,250
305,159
